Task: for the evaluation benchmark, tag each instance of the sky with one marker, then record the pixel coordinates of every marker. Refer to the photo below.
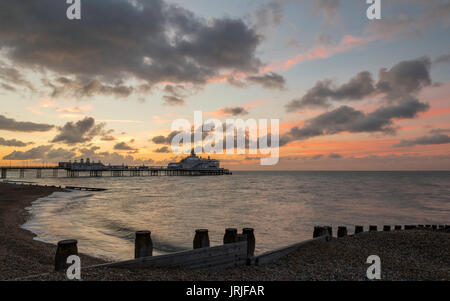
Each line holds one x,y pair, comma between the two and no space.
350,93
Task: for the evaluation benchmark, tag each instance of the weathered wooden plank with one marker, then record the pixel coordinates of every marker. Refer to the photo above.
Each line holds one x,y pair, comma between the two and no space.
185,258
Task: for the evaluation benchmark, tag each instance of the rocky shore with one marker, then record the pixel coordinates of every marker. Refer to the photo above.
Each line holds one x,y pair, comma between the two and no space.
405,255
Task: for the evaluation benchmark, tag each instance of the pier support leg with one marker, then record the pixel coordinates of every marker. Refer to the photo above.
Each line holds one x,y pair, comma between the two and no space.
4,173
230,236
143,245
55,173
38,173
22,173
64,250
201,239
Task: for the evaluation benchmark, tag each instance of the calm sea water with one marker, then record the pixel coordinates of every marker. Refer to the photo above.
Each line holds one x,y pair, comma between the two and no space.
283,207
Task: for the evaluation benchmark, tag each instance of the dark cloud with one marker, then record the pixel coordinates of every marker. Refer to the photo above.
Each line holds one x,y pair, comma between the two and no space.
123,146
13,142
86,88
439,131
111,157
234,111
175,94
8,87
425,140
173,100
80,132
13,76
60,154
328,7
162,150
269,80
165,139
360,86
9,124
32,154
347,119
116,40
108,138
268,14
403,80
334,156
443,59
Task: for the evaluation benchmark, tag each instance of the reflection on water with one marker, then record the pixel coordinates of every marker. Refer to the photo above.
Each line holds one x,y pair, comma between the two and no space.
283,207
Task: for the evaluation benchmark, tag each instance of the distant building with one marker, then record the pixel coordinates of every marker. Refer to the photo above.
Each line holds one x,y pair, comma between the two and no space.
193,162
85,165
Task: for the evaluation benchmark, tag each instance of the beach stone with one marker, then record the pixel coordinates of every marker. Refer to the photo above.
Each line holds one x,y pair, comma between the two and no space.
65,249
359,229
398,227
387,228
373,228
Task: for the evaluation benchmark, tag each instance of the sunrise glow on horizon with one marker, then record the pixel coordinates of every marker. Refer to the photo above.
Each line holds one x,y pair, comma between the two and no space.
350,93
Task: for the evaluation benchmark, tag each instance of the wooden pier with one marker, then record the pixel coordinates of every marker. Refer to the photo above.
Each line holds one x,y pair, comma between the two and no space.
126,171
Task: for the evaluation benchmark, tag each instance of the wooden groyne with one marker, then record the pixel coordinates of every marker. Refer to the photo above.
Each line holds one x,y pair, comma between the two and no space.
23,183
236,251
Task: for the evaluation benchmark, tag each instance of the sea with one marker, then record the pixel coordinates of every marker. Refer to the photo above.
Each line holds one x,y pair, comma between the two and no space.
282,206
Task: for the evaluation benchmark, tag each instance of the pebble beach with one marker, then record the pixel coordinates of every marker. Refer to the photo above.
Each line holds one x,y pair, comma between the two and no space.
405,255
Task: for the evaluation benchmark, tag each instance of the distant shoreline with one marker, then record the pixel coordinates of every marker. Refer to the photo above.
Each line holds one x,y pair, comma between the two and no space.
20,254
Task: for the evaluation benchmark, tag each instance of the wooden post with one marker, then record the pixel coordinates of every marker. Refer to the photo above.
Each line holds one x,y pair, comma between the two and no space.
373,228
143,245
398,227
330,230
201,239
250,232
386,228
319,231
65,249
342,231
359,229
230,236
